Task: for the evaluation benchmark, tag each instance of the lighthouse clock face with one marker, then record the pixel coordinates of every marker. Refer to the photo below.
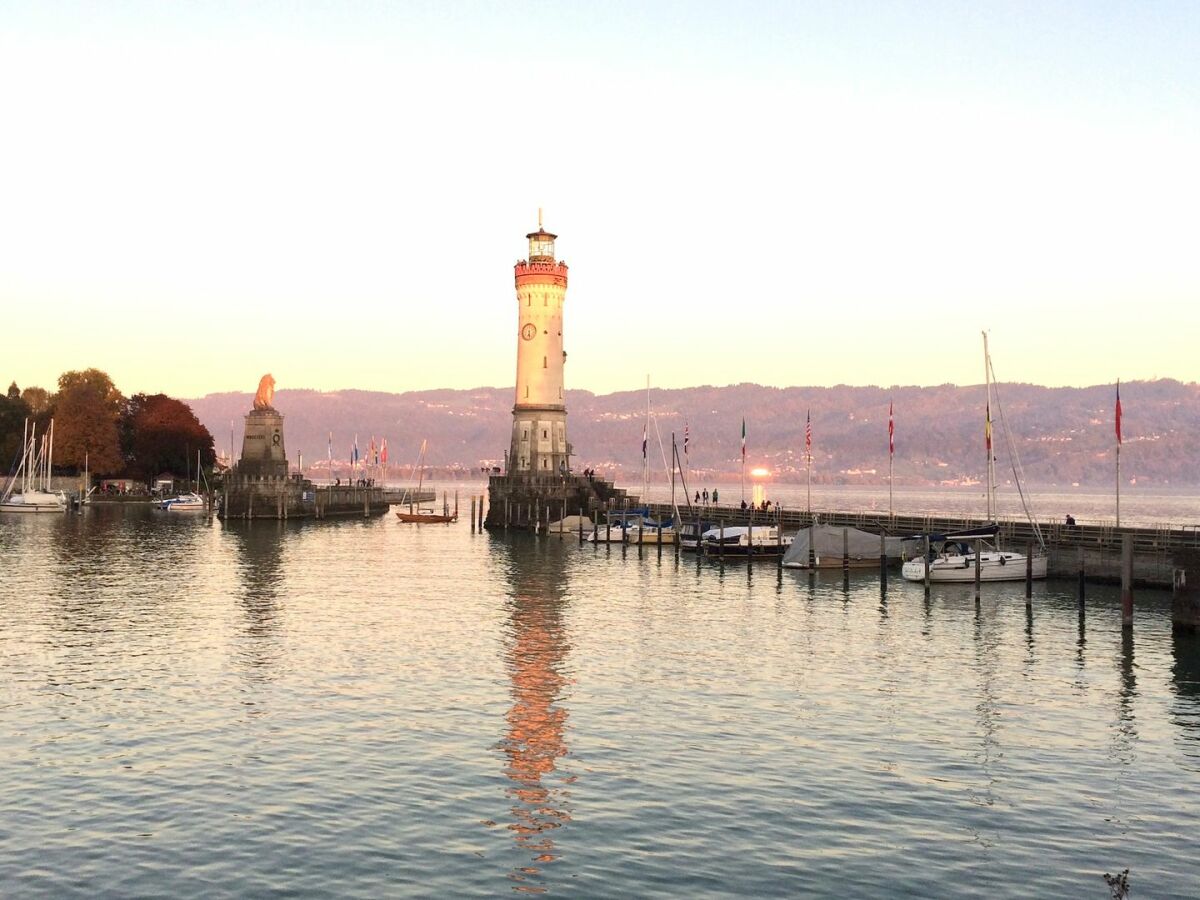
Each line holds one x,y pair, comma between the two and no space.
529,331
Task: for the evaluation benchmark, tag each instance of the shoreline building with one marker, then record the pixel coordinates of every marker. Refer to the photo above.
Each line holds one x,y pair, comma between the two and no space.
538,485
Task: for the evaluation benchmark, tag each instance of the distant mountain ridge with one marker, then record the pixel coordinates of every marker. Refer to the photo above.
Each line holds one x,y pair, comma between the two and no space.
1063,435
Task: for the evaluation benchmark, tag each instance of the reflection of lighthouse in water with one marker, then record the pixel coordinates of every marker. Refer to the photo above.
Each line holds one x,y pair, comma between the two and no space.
534,739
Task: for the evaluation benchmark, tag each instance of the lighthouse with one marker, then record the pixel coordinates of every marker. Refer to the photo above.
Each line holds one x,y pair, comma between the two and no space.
539,437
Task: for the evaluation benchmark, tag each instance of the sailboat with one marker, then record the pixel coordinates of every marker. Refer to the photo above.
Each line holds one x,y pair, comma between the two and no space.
189,502
33,476
952,557
642,529
419,515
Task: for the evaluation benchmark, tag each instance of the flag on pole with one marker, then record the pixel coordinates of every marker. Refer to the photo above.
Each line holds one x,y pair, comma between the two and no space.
355,457
383,452
808,431
686,438
643,443
987,428
743,439
330,454
891,431
1117,416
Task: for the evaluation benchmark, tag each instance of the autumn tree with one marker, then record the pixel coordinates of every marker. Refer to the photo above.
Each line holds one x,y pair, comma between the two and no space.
85,430
100,382
162,434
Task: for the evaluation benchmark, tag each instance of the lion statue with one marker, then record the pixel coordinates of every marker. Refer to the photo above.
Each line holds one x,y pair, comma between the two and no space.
266,393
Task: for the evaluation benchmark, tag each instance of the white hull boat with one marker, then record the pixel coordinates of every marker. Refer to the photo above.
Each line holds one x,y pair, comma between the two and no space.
35,502
28,490
183,503
994,565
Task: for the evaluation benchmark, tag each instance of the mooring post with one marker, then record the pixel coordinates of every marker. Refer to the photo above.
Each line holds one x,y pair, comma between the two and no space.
507,513
660,537
926,558
721,538
846,553
1185,598
882,563
1127,580
977,568
581,526
641,535
472,515
1082,576
1029,573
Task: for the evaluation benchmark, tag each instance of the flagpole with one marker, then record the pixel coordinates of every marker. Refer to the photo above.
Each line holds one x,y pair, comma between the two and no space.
1117,428
1118,484
808,458
743,461
891,455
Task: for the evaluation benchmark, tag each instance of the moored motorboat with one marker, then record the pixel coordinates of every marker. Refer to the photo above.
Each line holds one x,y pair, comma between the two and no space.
745,540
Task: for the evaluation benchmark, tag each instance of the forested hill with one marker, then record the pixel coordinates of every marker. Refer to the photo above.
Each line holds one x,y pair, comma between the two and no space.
1063,435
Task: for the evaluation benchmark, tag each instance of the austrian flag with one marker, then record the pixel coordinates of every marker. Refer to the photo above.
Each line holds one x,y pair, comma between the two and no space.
1117,415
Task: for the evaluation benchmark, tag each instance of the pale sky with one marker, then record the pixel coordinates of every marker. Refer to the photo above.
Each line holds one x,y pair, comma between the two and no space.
783,193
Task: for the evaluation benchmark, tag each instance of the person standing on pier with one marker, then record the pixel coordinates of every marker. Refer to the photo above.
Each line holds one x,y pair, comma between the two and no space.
714,496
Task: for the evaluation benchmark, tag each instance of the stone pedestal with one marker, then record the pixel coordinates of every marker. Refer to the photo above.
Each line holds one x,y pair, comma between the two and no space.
263,453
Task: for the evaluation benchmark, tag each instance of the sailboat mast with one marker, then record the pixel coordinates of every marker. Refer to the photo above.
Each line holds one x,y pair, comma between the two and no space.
991,472
645,451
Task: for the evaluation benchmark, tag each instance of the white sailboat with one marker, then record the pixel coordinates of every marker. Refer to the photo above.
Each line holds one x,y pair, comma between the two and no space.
33,476
189,502
953,557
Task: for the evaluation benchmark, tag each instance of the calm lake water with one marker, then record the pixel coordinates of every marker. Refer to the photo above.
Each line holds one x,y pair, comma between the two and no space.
372,709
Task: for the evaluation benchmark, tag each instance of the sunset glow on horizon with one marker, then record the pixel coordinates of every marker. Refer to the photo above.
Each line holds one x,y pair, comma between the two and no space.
746,193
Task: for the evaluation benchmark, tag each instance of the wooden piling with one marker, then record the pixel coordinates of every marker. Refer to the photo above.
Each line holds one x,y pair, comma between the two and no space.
882,563
1082,577
721,545
581,526
472,515
845,552
926,558
1029,573
978,563
1127,580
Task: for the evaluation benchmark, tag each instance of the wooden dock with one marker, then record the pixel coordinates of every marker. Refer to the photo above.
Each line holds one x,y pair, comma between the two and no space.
1157,551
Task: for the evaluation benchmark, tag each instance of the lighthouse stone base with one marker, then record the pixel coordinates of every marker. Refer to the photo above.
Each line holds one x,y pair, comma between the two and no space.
533,501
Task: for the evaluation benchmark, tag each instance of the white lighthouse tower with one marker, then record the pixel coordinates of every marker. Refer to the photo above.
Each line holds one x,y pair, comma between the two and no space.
539,437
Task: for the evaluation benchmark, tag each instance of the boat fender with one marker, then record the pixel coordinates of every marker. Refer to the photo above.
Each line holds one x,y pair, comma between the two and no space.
1003,560
966,564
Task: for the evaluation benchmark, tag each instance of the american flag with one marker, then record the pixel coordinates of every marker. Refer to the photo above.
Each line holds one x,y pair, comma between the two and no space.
686,438
808,431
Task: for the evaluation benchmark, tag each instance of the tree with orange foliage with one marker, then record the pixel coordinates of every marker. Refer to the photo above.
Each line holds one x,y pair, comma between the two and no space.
85,430
162,434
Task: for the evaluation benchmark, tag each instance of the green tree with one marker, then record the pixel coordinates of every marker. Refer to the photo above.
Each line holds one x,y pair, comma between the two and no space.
85,430
14,392
13,413
162,434
37,400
